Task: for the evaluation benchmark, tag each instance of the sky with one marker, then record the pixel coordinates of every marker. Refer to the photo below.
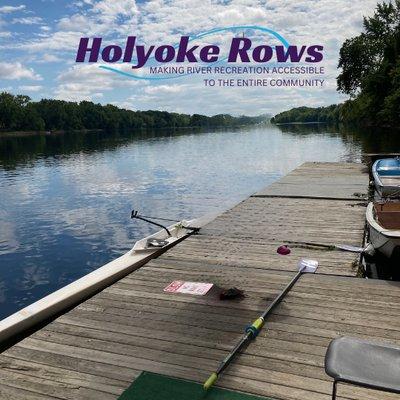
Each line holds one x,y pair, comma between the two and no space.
39,41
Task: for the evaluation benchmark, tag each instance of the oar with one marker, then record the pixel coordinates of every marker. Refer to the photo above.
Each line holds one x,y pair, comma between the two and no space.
254,329
342,247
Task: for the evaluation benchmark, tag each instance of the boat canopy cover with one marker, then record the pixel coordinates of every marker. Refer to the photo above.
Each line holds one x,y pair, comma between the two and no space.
388,166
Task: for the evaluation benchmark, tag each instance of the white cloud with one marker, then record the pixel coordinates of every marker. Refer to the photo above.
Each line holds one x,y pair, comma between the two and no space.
88,81
10,9
104,18
47,58
59,41
27,20
16,71
163,89
73,23
119,15
111,9
30,88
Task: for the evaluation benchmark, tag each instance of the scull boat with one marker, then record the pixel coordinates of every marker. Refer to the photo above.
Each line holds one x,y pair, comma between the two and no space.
57,302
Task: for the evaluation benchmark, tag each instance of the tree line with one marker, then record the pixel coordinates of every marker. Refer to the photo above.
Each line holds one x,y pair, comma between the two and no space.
328,114
20,113
370,75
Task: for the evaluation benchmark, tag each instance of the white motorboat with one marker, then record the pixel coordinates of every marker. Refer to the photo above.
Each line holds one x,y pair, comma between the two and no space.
384,227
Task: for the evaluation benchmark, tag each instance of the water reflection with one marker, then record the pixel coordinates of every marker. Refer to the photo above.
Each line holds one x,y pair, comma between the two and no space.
65,200
366,139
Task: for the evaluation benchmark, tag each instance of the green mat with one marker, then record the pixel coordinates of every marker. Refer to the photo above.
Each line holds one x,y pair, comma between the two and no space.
149,386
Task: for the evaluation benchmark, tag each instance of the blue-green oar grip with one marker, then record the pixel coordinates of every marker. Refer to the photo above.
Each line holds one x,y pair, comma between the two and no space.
210,381
255,327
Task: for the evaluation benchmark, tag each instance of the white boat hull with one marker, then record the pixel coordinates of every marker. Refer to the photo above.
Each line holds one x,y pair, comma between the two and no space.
383,240
72,294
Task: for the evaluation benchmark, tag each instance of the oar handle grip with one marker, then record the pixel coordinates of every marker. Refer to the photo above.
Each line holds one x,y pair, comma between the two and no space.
210,381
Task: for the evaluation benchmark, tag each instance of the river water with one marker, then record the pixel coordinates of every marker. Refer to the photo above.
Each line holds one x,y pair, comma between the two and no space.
65,200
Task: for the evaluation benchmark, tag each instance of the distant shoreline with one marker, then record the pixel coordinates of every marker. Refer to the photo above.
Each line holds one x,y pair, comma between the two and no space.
24,117
45,133
301,123
27,133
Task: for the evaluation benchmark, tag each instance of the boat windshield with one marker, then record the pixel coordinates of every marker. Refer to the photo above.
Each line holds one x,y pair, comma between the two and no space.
389,166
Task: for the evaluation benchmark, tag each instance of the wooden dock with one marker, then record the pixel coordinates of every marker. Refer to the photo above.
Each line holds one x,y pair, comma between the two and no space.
98,348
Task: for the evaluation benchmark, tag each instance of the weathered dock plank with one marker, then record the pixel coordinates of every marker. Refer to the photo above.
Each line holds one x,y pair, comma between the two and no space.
134,326
99,347
345,181
250,233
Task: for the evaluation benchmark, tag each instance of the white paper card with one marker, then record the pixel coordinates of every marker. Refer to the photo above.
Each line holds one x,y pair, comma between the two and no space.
196,288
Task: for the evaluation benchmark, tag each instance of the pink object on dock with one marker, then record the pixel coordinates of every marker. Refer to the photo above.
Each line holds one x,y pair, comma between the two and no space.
283,250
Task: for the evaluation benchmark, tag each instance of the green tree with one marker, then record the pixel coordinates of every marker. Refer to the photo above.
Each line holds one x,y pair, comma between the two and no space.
31,119
370,75
363,55
20,113
11,110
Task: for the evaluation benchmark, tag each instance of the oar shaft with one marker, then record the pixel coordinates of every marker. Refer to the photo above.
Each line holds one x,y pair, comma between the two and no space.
227,360
325,246
284,292
251,332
